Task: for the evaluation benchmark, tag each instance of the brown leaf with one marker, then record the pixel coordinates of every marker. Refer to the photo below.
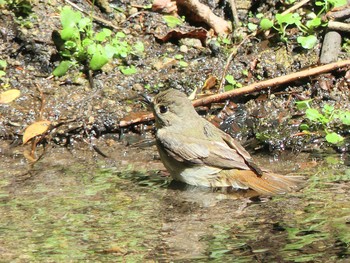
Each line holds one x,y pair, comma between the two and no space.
210,82
164,6
9,95
35,129
176,35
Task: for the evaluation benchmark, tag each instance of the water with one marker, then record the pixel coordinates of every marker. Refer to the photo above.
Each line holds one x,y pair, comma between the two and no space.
66,209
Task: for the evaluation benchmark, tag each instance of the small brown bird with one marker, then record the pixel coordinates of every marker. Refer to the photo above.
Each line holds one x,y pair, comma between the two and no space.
196,152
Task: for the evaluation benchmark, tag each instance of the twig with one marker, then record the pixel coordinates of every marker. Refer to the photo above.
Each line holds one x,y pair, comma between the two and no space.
270,83
229,59
340,13
333,25
251,88
206,15
295,7
234,12
99,19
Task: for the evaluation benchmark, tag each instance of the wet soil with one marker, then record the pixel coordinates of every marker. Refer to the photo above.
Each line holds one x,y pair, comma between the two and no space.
73,204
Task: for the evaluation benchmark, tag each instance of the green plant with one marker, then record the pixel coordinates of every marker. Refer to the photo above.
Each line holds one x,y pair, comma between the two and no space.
82,45
306,25
232,83
346,45
329,4
182,63
21,8
173,21
3,65
327,120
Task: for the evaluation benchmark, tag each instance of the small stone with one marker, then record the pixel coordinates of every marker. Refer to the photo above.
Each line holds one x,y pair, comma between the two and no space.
133,10
191,42
137,87
183,49
137,27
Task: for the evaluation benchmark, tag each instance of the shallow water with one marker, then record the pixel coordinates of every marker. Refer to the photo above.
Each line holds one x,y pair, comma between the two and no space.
69,209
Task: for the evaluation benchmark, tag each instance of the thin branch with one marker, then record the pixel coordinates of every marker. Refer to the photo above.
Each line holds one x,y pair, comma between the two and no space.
250,88
229,59
270,83
99,19
295,7
234,13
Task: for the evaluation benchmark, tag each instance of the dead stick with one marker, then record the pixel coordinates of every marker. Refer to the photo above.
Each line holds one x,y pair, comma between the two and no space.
234,13
270,83
99,19
295,7
228,62
252,88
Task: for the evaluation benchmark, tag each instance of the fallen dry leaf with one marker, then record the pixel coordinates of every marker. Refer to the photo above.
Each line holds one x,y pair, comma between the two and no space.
210,83
164,6
176,35
35,129
9,95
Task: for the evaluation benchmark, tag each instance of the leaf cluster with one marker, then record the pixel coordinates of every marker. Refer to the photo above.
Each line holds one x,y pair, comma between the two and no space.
21,8
231,83
326,119
306,24
81,44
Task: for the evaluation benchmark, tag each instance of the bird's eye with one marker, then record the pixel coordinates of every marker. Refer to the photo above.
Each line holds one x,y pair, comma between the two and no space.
163,109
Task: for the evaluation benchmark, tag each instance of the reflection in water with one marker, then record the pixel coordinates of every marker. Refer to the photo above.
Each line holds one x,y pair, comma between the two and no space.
74,212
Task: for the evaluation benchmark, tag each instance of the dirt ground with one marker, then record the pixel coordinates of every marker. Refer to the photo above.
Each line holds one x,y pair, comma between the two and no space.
81,113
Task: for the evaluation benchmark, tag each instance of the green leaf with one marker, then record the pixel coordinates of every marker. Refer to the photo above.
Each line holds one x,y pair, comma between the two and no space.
69,18
289,19
3,64
172,21
178,56
230,79
337,3
334,138
103,35
91,49
328,109
228,87
2,73
183,64
84,24
139,47
266,24
98,59
303,104
70,45
304,127
314,22
252,27
307,42
120,35
313,115
110,51
70,33
87,42
62,68
128,70
226,40
345,117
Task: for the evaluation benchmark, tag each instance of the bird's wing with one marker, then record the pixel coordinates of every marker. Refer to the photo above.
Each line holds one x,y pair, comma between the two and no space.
200,151
212,132
232,143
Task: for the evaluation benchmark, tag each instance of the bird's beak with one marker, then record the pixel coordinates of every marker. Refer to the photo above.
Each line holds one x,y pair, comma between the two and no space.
147,99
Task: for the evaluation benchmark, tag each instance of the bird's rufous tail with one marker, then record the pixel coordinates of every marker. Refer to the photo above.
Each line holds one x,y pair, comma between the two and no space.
267,184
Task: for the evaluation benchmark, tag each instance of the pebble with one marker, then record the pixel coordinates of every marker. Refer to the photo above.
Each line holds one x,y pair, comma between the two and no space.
183,49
